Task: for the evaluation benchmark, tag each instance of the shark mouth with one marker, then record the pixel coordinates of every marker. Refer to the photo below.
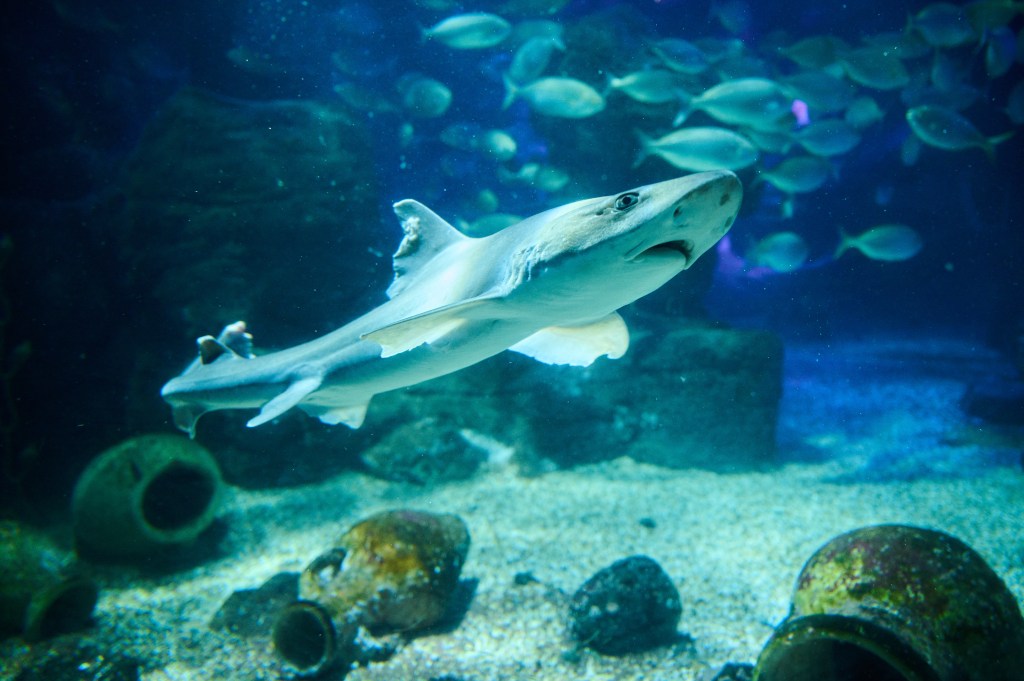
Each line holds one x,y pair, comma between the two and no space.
682,247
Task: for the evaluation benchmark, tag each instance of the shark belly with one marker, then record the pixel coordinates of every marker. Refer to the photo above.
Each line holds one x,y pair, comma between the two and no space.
356,384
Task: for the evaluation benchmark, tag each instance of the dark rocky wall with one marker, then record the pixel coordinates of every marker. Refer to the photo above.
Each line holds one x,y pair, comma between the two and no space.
225,210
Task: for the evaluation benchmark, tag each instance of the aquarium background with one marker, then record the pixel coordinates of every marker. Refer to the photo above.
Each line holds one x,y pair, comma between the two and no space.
174,167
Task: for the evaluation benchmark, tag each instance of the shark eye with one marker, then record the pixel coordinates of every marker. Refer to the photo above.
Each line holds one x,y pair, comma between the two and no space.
627,201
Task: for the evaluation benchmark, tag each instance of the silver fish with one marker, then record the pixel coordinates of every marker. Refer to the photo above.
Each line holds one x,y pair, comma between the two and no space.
472,31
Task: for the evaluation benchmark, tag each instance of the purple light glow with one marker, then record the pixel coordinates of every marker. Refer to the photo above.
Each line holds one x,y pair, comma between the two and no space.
799,109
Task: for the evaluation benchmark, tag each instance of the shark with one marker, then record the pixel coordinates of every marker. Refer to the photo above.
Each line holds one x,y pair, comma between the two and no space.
549,287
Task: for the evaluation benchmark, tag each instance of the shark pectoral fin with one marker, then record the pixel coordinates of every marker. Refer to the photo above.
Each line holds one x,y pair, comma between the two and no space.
428,327
292,395
577,345
352,416
399,338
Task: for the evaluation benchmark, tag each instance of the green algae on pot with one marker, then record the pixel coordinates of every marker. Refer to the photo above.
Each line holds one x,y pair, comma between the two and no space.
398,569
394,571
145,494
41,593
897,603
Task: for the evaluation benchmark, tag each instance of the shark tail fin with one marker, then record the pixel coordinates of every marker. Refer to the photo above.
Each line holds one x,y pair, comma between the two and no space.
185,417
233,343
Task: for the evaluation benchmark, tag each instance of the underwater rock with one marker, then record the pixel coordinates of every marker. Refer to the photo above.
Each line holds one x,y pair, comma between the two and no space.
996,400
146,494
41,591
626,607
692,397
75,659
226,195
423,452
292,452
249,613
698,396
395,571
897,602
730,671
711,398
477,401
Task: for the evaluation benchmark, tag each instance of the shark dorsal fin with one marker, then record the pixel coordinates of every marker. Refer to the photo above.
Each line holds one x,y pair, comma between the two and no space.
426,235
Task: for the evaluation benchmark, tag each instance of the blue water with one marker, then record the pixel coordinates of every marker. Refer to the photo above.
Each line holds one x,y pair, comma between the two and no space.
171,167
83,84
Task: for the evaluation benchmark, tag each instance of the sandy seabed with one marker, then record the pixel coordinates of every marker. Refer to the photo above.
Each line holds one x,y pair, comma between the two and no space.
865,438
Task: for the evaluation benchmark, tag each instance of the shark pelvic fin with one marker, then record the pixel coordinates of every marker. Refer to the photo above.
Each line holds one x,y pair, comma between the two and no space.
292,395
426,235
352,416
577,345
428,327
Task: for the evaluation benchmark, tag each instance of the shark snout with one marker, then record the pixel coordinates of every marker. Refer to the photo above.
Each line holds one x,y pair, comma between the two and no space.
716,192
695,212
724,194
720,196
730,196
704,214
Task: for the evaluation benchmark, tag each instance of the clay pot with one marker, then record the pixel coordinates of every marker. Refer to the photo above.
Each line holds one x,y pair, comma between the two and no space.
143,495
897,603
